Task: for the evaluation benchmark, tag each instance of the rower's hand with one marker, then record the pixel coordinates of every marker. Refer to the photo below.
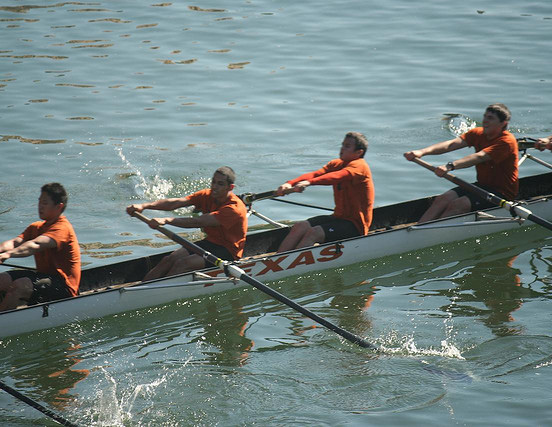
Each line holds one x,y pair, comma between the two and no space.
283,189
156,222
411,155
441,170
300,186
137,207
543,144
4,256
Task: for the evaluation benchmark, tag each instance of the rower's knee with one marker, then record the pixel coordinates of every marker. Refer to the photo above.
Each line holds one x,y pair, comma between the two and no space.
316,234
301,227
458,206
445,199
18,291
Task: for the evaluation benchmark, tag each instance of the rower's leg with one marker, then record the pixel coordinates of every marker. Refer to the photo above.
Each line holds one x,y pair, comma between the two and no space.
164,266
439,206
187,263
312,236
294,236
457,206
5,281
17,293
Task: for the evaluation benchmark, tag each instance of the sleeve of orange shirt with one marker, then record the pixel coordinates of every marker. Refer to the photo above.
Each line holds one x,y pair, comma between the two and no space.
330,174
331,178
306,176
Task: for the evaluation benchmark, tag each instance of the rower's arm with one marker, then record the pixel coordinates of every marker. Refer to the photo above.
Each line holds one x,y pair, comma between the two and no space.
30,247
10,244
445,146
160,205
471,160
439,148
205,220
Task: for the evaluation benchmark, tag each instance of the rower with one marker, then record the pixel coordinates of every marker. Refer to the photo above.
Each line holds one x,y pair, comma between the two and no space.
495,159
223,219
54,244
353,190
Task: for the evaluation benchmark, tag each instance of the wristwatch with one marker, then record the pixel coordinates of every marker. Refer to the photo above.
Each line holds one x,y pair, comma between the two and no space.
450,166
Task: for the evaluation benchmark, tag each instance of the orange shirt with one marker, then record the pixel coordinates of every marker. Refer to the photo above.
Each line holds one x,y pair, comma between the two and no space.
501,172
64,259
232,216
353,190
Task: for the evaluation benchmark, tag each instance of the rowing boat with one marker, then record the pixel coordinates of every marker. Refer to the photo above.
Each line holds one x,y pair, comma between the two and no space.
118,288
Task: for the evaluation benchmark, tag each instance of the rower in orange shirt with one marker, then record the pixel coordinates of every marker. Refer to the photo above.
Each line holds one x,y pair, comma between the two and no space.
495,160
55,247
224,221
353,190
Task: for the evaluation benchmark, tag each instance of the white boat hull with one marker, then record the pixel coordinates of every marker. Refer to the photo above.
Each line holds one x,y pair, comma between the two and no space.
277,266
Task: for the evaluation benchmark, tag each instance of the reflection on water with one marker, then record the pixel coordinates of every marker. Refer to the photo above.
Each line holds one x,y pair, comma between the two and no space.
46,371
498,286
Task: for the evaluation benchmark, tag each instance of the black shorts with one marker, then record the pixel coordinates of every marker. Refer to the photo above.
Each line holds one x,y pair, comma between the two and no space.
217,250
334,228
477,203
46,287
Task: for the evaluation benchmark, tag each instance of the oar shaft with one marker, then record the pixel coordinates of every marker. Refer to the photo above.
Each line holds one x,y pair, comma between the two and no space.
235,271
6,264
36,405
486,195
303,204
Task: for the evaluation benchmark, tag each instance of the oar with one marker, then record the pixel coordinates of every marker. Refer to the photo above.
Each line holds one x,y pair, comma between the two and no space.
6,264
234,271
486,195
526,142
249,198
36,405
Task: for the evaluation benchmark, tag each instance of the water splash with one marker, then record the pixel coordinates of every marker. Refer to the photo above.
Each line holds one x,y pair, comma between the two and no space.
408,346
117,408
457,124
152,188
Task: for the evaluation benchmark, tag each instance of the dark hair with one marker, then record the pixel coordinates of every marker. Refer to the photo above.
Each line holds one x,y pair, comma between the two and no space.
56,192
501,112
228,173
361,142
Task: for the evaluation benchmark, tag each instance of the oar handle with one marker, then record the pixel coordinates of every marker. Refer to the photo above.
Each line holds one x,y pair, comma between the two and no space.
233,270
526,142
249,198
490,197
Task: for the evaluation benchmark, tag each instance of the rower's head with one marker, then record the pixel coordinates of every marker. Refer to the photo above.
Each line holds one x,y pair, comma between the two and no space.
52,201
496,118
353,147
222,182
